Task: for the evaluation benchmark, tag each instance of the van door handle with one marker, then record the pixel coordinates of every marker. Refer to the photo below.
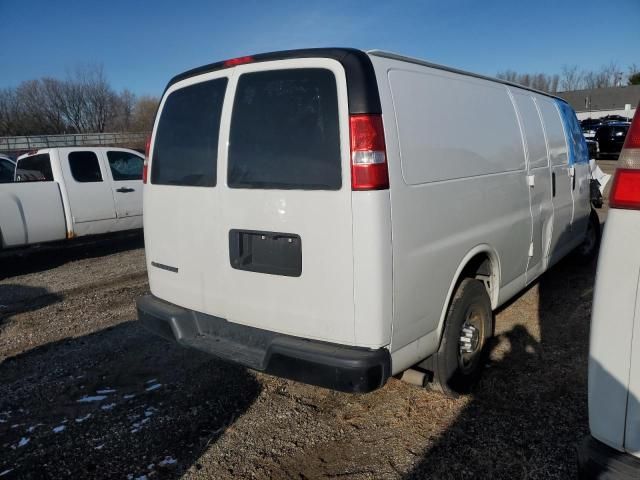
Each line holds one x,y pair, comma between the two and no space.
125,190
553,184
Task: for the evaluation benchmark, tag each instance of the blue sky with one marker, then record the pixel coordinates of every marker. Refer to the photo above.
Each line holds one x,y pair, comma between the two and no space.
143,44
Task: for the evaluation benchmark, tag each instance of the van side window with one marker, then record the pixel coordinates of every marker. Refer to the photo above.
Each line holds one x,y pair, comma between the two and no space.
284,131
36,168
125,165
186,144
579,152
85,167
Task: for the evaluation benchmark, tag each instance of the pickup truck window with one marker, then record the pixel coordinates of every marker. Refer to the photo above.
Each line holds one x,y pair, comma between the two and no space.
85,167
284,131
36,168
125,165
186,145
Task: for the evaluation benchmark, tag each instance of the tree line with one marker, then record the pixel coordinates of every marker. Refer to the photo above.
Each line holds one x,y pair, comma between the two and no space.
571,77
84,102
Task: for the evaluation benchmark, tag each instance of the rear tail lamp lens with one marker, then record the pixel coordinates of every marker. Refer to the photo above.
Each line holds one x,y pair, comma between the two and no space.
368,153
625,191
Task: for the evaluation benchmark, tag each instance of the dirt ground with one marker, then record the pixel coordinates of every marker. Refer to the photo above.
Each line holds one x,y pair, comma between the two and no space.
86,392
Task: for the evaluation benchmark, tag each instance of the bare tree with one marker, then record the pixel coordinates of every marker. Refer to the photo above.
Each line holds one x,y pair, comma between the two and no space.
144,114
570,77
539,81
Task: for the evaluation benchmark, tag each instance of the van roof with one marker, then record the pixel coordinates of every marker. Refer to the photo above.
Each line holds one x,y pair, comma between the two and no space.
395,56
361,81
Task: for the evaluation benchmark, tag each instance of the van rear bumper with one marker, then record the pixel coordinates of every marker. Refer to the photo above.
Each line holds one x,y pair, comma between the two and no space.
339,367
597,461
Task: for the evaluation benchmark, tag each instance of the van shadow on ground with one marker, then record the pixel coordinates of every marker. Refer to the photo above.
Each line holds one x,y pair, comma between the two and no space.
48,256
529,411
158,406
15,298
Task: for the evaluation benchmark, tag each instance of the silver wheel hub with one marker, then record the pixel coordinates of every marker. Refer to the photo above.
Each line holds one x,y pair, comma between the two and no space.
469,339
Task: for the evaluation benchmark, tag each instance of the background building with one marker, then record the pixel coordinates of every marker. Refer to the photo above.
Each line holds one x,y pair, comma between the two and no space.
598,102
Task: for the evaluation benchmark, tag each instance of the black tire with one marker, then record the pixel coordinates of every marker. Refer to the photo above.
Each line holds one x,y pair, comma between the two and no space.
454,372
588,249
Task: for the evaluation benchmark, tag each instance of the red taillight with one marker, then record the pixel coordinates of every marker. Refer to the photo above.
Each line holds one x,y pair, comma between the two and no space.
145,165
625,190
368,153
232,62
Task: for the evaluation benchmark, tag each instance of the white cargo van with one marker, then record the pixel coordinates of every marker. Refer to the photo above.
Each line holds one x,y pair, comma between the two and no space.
337,217
63,193
613,448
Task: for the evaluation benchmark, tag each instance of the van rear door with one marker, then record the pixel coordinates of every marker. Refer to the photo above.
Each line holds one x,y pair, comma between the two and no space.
248,209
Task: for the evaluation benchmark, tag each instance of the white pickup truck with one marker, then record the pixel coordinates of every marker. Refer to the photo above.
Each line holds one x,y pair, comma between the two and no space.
63,193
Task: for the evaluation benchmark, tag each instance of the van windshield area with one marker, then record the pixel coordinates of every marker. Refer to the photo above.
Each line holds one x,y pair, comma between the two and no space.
285,131
186,144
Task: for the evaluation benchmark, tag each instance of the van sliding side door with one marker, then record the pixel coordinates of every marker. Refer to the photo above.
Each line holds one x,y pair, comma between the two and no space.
538,180
562,238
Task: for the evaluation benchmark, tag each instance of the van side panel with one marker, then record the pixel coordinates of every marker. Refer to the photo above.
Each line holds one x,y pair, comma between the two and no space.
458,180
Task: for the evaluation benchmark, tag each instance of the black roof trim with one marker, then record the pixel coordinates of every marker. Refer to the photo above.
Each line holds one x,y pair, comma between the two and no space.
362,87
417,61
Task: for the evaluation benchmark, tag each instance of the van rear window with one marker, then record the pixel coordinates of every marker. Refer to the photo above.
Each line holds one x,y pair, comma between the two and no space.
284,131
186,144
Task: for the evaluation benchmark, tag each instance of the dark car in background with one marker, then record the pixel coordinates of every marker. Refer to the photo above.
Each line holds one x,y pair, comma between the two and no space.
610,138
592,146
7,169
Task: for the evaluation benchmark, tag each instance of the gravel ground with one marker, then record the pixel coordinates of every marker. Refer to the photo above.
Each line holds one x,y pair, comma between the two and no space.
86,392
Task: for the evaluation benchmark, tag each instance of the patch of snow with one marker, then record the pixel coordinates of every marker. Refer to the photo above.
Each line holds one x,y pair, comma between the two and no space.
99,447
33,427
3,473
2,420
95,398
141,477
153,387
82,419
59,429
135,430
108,407
128,396
167,461
153,380
15,425
106,391
139,424
150,466
23,441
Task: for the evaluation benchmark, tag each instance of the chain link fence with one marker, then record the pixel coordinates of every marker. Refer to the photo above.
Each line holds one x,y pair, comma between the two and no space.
32,142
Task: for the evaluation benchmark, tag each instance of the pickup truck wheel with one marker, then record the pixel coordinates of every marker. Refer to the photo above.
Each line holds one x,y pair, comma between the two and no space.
588,249
457,364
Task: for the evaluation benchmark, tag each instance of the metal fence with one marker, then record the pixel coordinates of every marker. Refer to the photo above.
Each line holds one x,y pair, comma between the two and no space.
32,142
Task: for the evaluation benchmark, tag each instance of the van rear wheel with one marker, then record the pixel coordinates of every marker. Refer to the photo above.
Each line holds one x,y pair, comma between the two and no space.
457,364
